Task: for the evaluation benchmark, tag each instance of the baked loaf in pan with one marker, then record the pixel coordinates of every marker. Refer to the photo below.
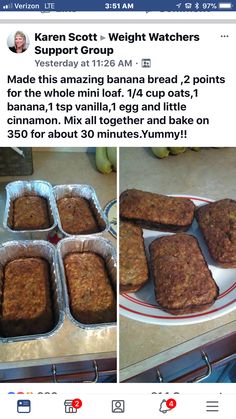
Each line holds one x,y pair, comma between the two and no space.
30,213
217,222
91,296
156,212
77,216
133,261
26,303
183,282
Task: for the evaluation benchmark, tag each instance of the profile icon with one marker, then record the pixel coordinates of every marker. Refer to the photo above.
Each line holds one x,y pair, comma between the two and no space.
18,42
118,406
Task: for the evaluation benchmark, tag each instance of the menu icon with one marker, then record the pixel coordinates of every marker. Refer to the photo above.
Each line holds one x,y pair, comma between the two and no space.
212,406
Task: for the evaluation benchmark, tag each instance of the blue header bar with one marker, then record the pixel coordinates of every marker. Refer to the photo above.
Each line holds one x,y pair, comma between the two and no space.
116,6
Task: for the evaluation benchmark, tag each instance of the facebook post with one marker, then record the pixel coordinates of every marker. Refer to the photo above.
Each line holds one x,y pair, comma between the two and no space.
117,208
118,84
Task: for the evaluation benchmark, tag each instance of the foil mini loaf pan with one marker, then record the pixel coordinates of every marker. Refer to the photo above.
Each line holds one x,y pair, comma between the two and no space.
94,244
23,188
13,250
87,192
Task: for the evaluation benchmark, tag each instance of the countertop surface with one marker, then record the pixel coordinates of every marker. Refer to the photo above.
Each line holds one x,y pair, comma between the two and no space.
209,173
70,340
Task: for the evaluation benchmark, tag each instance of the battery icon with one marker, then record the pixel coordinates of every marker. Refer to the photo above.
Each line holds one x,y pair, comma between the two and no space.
225,6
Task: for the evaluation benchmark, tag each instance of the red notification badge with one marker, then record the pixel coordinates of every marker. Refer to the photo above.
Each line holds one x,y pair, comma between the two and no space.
171,403
77,403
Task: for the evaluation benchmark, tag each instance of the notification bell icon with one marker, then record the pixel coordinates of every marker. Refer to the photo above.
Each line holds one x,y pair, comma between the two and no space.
163,407
167,405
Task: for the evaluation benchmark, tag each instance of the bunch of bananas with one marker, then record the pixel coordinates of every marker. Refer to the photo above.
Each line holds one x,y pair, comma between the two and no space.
106,159
162,152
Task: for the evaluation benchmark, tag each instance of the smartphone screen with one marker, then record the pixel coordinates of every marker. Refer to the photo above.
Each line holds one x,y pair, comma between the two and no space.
117,208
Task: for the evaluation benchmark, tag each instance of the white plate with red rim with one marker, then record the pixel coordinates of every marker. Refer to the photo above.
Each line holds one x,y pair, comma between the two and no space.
142,305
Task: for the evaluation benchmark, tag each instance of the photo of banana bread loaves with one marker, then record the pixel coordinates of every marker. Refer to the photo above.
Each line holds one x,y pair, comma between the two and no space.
156,212
133,261
92,299
217,221
77,216
30,213
25,302
183,282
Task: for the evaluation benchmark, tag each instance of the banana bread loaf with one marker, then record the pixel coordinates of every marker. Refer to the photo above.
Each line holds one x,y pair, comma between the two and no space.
183,282
217,222
91,296
156,212
30,213
133,261
26,304
77,216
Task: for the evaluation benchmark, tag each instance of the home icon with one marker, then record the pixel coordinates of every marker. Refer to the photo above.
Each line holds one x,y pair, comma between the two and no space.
68,407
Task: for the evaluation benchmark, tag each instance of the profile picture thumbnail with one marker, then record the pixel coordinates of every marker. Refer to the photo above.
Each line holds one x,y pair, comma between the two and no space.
18,42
